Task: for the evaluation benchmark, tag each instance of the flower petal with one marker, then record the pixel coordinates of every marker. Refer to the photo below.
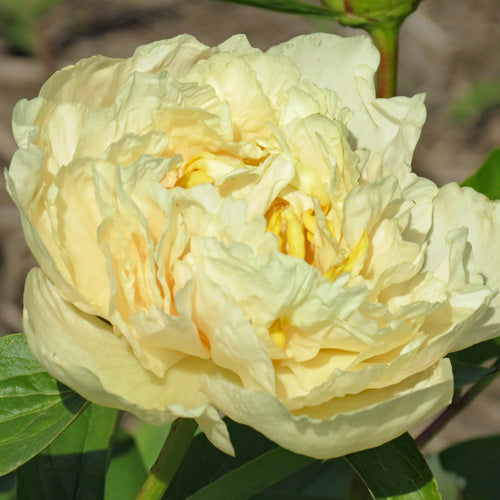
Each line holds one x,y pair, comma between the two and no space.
82,352
456,207
103,76
389,126
346,425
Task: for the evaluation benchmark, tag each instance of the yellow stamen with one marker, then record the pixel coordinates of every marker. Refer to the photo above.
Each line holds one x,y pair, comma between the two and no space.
295,235
275,217
309,221
357,253
191,163
277,335
275,224
331,229
194,172
194,178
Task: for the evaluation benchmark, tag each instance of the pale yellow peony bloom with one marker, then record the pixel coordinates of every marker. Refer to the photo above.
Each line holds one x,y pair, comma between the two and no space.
221,230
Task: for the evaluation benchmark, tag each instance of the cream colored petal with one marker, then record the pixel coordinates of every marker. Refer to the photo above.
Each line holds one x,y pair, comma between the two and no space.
131,146
24,117
299,104
390,258
61,127
307,139
215,430
347,66
237,44
420,193
75,217
234,345
406,349
132,112
140,181
261,286
104,76
276,75
82,352
456,207
132,278
157,330
44,256
23,176
279,287
366,205
250,107
345,425
205,213
268,181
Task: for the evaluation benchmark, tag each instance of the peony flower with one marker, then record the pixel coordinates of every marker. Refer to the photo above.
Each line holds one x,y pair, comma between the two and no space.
226,231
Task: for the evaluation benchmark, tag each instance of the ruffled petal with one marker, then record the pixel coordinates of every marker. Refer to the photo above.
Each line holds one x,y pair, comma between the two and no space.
340,426
479,261
388,126
103,76
82,352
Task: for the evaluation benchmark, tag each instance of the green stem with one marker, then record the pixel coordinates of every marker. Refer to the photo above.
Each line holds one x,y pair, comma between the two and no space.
168,461
456,406
386,39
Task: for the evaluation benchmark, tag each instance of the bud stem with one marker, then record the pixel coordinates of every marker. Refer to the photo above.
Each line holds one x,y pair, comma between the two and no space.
168,461
386,39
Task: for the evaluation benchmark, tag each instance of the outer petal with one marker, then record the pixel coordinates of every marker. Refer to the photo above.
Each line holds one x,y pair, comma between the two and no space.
81,351
456,207
103,76
215,429
389,126
40,251
342,426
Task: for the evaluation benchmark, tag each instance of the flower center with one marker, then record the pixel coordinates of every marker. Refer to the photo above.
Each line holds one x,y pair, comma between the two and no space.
297,237
194,172
277,334
295,234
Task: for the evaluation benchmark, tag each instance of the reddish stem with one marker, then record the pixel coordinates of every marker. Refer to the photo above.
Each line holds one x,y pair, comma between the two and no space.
386,38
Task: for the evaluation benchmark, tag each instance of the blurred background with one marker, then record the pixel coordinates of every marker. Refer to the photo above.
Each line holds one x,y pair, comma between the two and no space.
449,49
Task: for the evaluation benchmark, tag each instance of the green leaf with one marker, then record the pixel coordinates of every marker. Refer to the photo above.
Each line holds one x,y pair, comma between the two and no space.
487,179
8,487
478,353
74,465
468,373
395,470
321,480
254,476
204,464
126,473
34,407
476,462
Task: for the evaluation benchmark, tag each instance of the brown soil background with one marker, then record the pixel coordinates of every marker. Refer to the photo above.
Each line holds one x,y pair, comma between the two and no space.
446,48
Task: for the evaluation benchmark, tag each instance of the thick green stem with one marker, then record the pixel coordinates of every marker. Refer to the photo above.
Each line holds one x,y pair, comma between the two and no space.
386,39
169,459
